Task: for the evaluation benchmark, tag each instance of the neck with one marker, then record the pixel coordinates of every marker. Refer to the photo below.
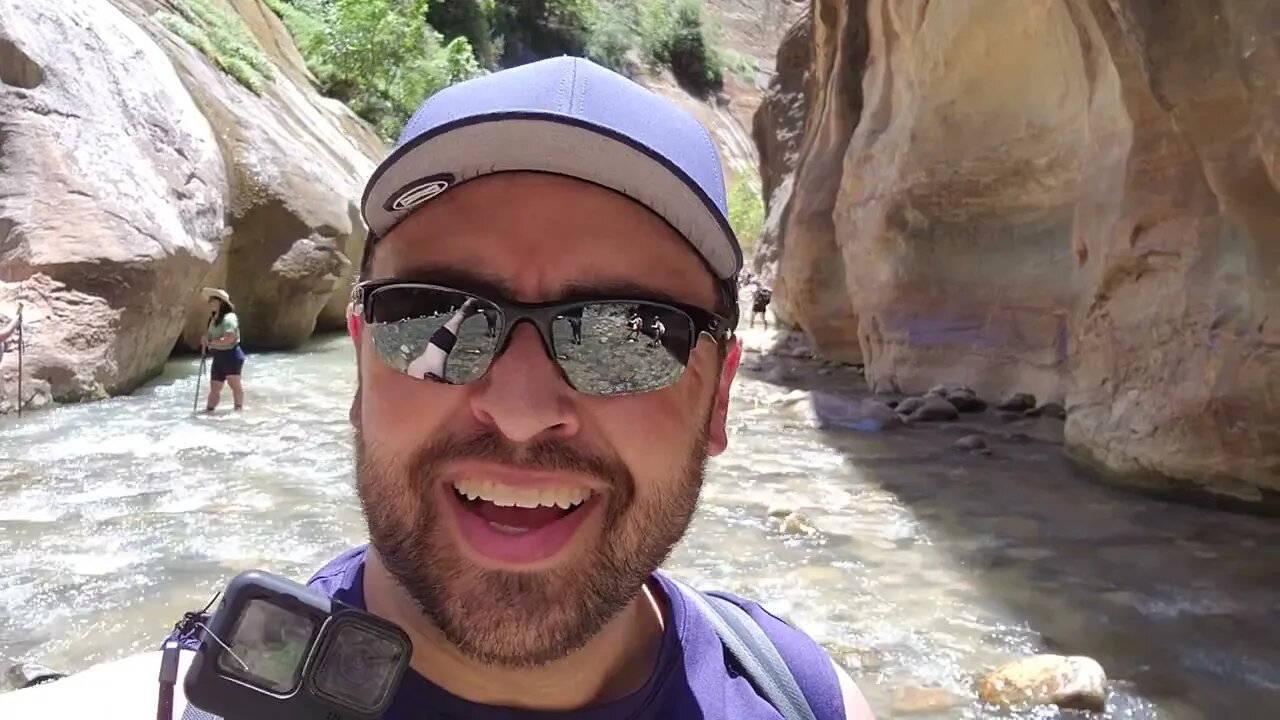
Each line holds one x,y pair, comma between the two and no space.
615,663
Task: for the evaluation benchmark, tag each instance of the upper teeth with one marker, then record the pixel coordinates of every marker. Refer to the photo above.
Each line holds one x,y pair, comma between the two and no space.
508,496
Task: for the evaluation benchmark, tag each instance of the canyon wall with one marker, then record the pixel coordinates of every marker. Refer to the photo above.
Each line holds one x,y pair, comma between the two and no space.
1074,198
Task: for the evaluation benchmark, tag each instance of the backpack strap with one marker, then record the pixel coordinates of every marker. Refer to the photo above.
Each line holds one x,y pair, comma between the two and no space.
753,652
194,713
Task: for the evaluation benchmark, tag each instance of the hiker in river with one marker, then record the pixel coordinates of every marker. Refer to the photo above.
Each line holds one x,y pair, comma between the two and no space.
518,513
223,341
9,329
760,298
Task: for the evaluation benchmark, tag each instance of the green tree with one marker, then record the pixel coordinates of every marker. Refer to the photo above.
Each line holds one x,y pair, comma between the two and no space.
746,209
673,33
469,19
536,29
378,56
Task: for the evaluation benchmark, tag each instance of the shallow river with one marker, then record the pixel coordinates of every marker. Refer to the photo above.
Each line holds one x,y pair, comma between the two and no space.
928,565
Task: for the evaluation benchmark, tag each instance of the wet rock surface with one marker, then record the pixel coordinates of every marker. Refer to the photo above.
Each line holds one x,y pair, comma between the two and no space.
1073,683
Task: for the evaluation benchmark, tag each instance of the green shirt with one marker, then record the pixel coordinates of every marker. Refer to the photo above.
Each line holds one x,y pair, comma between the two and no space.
230,324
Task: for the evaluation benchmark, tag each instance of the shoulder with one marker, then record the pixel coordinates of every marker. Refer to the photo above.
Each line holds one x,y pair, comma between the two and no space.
830,691
342,578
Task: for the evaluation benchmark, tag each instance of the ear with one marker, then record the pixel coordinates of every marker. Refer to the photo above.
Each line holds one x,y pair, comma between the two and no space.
717,435
354,328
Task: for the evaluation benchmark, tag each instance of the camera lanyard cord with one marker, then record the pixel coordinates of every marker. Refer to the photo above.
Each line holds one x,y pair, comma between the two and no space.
171,652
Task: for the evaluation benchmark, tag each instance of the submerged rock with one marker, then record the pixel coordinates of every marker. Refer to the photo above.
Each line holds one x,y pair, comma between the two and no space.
934,409
25,675
796,524
866,415
1076,682
970,442
1018,402
913,700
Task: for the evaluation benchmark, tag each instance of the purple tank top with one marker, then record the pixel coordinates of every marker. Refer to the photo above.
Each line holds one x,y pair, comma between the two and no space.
690,680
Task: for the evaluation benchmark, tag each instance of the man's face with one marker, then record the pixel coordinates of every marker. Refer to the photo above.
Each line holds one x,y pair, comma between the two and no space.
514,585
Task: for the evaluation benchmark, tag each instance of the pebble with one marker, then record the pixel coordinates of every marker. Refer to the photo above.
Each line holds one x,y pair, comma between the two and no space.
1072,683
970,442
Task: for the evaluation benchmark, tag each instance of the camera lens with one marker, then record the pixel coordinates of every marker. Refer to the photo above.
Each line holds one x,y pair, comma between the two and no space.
272,643
358,666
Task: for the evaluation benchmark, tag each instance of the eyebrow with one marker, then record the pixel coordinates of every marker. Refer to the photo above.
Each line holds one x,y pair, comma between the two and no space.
483,283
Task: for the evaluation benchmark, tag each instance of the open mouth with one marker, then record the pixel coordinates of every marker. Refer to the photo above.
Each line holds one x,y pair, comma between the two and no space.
519,510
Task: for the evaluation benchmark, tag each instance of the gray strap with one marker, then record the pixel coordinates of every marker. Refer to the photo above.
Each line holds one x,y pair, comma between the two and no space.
754,651
194,713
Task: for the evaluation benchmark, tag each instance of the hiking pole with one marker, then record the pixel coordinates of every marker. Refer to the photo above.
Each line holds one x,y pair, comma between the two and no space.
204,347
21,341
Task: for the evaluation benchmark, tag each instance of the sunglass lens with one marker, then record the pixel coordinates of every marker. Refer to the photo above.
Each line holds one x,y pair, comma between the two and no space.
434,333
620,348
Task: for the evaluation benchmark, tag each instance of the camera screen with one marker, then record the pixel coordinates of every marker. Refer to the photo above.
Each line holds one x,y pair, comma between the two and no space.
358,666
272,643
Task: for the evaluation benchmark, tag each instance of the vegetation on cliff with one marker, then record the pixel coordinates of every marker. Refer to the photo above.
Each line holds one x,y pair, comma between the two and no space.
746,210
384,57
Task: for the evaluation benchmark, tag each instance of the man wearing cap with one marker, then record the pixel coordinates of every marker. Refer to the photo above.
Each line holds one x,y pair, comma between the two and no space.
519,507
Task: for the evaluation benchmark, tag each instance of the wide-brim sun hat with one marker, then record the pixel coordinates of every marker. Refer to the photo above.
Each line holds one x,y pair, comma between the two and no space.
566,116
210,293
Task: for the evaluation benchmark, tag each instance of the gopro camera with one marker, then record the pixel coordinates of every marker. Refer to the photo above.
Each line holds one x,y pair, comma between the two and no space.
277,649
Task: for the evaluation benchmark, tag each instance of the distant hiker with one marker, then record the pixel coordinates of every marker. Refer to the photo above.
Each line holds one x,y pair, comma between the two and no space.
759,303
574,318
223,339
10,329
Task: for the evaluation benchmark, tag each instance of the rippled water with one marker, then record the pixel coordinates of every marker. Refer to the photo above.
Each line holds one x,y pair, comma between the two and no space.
928,565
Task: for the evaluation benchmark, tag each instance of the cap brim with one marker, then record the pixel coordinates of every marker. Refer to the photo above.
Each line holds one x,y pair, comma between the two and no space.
489,144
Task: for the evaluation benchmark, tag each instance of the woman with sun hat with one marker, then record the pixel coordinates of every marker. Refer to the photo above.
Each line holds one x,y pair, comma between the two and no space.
223,340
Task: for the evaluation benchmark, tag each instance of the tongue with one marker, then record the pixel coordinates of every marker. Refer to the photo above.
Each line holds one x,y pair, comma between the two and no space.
518,517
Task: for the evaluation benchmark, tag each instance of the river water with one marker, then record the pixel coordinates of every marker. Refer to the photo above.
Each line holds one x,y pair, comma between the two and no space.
927,565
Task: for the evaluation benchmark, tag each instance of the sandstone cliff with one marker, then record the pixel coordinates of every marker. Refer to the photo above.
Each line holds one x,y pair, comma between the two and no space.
133,172
1075,198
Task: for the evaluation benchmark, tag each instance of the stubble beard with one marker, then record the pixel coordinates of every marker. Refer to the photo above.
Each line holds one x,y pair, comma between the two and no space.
521,619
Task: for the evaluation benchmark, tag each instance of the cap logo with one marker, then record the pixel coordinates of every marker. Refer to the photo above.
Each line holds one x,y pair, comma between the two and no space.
418,192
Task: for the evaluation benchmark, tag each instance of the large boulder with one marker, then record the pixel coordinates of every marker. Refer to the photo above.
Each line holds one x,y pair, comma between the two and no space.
296,165
1071,198
111,198
133,172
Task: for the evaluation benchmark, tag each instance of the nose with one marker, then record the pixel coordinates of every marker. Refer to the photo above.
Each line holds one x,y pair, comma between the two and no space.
523,395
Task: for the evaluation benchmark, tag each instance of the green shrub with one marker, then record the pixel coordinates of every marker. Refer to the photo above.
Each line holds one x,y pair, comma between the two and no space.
223,38
672,33
535,29
380,57
612,36
471,19
746,209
